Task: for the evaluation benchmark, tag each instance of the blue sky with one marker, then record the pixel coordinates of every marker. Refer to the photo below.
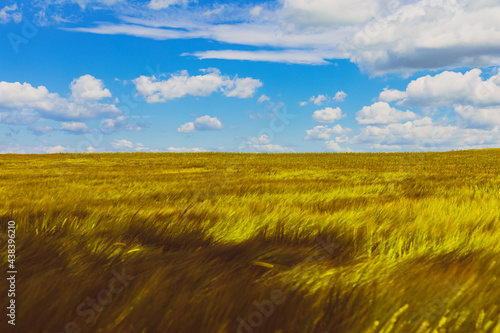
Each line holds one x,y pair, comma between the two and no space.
262,76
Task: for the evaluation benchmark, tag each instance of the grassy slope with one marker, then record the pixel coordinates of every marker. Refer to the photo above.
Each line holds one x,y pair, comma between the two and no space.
416,240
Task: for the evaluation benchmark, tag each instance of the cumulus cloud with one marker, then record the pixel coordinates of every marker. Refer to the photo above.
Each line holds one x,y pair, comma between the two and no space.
340,96
55,149
23,97
485,118
187,128
318,100
327,115
321,99
122,123
19,149
205,123
182,84
391,95
425,134
186,150
380,36
264,98
382,113
18,118
261,140
449,88
263,144
10,13
75,128
88,87
125,145
324,132
430,35
256,11
335,147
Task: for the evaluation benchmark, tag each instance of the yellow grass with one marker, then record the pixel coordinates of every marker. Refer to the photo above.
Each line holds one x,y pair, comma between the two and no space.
412,241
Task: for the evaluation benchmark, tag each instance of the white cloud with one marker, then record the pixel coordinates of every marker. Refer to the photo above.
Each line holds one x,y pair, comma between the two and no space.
10,13
180,85
424,134
318,100
340,96
122,144
382,113
205,123
88,87
263,144
125,145
380,36
40,130
391,95
75,128
327,115
24,96
186,150
80,111
261,140
187,128
18,117
256,11
122,123
83,3
449,88
264,98
17,97
267,148
329,12
162,4
55,149
334,146
321,99
287,56
243,88
324,132
18,149
430,35
485,118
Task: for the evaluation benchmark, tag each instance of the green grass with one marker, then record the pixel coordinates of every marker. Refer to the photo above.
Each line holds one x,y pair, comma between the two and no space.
415,241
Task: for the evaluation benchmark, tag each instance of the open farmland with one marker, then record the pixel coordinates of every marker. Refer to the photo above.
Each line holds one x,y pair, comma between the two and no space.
221,242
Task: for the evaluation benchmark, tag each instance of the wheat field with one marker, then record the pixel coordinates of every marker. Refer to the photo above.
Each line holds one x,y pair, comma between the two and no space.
223,242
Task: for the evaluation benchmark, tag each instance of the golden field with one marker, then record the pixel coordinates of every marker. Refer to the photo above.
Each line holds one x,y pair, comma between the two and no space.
222,242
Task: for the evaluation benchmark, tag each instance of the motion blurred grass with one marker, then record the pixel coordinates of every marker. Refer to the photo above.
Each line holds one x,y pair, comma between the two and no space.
416,240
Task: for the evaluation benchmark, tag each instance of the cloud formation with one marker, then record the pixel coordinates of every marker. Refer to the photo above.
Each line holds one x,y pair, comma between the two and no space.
324,132
382,113
327,115
205,123
75,128
182,84
23,99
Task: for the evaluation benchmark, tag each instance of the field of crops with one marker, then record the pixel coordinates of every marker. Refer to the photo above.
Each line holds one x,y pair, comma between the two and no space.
219,242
